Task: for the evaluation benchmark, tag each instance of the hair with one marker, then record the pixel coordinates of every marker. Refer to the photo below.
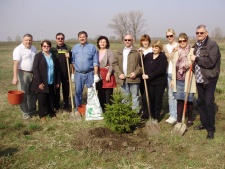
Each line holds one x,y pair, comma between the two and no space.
202,26
171,30
82,32
183,35
46,41
107,41
144,38
60,34
157,43
28,35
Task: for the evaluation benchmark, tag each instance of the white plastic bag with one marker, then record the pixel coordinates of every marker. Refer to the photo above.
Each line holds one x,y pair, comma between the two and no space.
93,107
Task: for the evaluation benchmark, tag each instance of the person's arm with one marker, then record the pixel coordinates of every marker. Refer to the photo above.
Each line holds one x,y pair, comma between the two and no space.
15,72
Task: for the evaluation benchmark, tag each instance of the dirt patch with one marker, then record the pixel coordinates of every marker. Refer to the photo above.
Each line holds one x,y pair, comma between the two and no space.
103,140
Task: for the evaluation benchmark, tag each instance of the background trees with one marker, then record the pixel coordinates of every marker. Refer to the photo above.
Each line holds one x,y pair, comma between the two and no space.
128,23
217,34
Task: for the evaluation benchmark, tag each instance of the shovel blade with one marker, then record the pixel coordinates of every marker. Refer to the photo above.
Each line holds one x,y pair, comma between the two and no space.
179,129
152,127
75,117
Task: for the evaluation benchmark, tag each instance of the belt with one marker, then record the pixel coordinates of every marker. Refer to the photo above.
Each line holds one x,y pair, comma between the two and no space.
84,71
25,71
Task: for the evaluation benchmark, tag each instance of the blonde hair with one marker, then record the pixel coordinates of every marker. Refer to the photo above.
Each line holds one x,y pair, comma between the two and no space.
157,43
171,30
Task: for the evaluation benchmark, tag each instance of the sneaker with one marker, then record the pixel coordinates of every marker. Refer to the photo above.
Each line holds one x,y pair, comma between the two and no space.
26,116
167,120
171,120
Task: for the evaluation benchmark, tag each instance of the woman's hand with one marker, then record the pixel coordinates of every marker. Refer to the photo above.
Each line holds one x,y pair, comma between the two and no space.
144,76
41,86
107,77
171,84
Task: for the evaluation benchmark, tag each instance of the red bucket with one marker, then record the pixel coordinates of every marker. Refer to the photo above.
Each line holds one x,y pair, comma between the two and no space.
15,96
81,109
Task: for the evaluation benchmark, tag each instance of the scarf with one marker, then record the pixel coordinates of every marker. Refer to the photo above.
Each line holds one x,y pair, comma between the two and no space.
182,62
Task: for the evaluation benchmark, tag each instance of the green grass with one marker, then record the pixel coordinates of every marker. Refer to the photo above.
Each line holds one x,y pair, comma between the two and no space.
54,144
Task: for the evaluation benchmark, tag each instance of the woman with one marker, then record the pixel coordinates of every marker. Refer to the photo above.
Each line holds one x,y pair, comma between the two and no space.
169,50
179,83
45,80
108,82
145,42
155,65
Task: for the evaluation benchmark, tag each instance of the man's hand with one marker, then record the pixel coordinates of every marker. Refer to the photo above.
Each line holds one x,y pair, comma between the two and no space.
96,78
67,55
15,81
122,76
132,75
41,86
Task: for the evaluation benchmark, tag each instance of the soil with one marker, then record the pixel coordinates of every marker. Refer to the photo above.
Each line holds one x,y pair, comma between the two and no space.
103,140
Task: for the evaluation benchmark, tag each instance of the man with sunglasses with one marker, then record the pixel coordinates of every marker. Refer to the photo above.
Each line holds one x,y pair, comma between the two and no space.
127,70
206,60
61,51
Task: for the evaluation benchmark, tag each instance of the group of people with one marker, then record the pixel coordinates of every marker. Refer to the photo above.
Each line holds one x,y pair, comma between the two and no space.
177,66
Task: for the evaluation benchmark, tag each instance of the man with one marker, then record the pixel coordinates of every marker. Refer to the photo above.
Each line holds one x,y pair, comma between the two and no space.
23,58
207,68
128,71
61,51
85,61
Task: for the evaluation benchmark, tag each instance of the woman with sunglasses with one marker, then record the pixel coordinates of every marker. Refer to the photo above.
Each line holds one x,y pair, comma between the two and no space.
145,43
169,50
180,78
46,79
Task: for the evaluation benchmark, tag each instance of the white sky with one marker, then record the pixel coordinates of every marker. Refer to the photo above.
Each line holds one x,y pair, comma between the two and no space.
44,18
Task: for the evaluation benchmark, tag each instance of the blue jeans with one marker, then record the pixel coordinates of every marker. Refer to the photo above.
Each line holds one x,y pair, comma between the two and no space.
133,89
28,105
81,80
172,101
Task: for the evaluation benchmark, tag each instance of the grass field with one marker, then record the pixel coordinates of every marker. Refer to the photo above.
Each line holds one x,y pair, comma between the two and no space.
60,144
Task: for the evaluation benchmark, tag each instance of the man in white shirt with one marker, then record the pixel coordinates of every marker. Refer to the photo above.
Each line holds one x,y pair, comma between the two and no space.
23,57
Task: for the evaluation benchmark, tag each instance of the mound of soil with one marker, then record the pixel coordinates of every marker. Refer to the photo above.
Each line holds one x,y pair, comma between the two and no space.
104,140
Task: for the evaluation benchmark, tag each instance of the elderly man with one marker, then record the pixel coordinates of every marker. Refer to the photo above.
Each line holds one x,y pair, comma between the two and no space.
85,61
127,69
23,58
207,68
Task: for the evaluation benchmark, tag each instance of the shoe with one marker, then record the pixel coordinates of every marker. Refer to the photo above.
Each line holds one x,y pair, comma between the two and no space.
171,120
210,135
189,123
200,127
26,116
43,119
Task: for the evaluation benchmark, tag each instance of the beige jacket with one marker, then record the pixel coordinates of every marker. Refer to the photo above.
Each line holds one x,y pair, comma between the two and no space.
192,80
168,55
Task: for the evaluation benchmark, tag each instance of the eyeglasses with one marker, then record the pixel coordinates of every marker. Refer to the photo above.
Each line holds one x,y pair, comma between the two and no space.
60,38
45,46
197,33
169,36
127,40
182,41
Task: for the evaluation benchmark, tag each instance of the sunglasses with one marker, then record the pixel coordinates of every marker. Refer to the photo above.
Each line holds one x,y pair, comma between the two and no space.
182,41
127,40
45,46
60,38
169,36
197,33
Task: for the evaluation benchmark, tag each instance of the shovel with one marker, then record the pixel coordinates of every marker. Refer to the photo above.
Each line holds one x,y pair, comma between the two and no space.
180,128
74,116
152,126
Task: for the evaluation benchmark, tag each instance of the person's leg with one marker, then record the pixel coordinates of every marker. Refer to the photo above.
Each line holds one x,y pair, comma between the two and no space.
57,98
79,86
65,90
171,100
180,107
134,89
51,96
101,94
42,104
109,94
31,96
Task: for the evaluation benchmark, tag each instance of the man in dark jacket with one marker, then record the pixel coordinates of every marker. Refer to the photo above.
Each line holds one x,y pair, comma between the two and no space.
207,68
60,51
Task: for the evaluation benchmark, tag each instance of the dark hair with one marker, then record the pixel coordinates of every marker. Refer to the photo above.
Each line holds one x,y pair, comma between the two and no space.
60,34
82,32
28,35
144,38
183,35
107,41
46,41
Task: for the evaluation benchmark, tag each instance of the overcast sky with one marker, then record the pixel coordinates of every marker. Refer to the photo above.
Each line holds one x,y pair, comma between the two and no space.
44,18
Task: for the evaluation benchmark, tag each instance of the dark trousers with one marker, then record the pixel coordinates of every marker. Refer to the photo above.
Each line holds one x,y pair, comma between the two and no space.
46,102
104,95
156,95
65,91
180,108
143,100
205,104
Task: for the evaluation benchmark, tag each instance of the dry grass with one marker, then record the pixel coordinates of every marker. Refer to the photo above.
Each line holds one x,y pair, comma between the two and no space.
33,144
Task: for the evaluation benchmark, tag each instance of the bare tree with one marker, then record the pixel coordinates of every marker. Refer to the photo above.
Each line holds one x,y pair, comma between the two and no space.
18,38
9,39
136,23
217,34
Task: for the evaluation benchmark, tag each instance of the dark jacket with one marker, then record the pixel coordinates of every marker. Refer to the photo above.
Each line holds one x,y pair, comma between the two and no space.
156,68
40,72
209,60
133,65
